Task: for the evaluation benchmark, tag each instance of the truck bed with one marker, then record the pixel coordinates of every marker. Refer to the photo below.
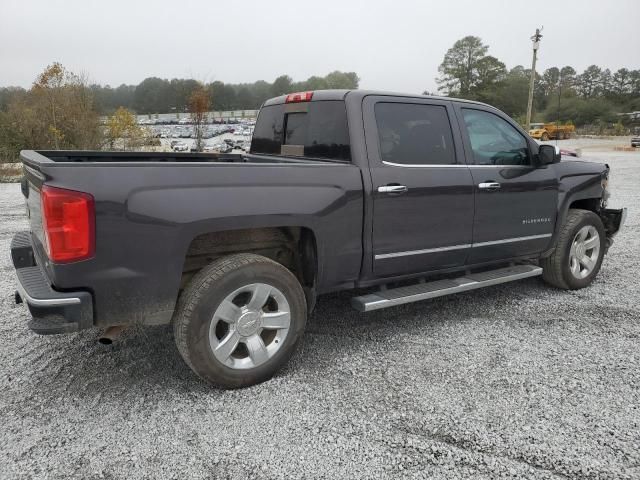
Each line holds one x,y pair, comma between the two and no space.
153,209
32,157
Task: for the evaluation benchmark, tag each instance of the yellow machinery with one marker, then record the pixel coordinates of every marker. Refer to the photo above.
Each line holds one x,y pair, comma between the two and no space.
548,131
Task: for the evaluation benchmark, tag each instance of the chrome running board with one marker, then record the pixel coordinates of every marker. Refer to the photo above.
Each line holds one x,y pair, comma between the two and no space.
439,288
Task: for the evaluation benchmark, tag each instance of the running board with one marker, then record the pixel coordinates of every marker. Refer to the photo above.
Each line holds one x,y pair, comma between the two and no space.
439,288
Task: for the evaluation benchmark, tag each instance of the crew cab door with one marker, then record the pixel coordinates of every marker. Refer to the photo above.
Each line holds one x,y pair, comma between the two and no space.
515,200
422,190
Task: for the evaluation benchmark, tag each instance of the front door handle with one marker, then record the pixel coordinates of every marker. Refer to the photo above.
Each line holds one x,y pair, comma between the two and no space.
397,189
490,186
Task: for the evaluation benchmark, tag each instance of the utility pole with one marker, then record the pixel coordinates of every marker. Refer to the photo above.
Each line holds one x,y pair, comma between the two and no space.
536,44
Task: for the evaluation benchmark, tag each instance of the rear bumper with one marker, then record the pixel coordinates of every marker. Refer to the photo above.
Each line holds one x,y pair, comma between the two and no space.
52,311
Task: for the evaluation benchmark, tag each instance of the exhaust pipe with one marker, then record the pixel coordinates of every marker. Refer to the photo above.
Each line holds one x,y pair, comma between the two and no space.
110,334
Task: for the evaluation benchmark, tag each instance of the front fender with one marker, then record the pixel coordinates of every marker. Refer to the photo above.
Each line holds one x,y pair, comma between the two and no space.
577,180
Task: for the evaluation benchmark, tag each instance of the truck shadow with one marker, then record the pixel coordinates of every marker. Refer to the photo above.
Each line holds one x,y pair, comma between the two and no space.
145,361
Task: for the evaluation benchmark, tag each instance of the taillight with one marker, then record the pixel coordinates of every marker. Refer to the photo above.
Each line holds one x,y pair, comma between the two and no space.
299,97
68,218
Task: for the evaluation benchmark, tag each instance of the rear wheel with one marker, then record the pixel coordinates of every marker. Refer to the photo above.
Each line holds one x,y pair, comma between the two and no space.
239,320
545,137
578,254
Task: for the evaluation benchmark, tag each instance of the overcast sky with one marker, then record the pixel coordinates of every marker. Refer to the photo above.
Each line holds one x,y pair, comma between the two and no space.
392,45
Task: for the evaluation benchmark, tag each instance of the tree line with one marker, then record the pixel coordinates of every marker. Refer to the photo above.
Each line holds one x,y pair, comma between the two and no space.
161,95
561,93
156,95
61,110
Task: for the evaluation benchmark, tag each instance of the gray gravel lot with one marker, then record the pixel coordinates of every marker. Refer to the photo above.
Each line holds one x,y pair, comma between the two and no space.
518,380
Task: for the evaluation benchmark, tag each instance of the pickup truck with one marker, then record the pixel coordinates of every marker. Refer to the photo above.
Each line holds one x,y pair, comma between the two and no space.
413,197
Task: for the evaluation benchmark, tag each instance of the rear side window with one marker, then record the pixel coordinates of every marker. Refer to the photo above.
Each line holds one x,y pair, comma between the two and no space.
269,131
310,129
414,134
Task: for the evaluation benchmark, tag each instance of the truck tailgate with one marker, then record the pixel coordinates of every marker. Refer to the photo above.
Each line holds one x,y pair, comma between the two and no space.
31,186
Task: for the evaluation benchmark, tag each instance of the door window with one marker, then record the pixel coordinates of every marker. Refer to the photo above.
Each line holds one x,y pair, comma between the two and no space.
494,141
414,134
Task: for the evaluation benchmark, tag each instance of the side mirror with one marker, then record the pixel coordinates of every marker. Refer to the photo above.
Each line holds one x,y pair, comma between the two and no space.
548,154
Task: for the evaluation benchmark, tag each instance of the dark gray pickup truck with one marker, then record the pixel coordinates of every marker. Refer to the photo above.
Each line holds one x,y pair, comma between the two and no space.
420,196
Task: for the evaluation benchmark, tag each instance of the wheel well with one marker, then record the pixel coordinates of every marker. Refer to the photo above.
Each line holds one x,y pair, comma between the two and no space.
592,204
293,247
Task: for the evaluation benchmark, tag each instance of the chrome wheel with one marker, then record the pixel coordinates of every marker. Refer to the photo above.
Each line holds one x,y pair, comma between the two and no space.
249,326
584,253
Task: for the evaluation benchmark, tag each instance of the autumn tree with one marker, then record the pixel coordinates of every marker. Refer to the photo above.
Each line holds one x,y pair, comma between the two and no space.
57,112
49,85
198,108
123,131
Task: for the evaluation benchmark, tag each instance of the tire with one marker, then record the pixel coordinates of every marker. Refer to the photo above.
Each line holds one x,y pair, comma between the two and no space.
544,137
577,243
229,302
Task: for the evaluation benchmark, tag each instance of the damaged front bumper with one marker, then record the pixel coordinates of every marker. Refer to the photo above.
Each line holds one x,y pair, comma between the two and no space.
613,221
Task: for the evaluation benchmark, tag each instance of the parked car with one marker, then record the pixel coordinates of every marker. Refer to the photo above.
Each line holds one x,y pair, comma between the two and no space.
180,147
635,141
568,153
225,148
362,189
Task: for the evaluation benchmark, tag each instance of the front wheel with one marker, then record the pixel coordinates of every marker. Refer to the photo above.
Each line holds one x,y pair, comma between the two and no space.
239,320
578,254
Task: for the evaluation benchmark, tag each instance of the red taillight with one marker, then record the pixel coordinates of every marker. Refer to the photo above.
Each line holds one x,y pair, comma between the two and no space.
299,97
68,219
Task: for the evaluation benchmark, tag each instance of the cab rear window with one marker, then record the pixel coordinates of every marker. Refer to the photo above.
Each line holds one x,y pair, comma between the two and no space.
310,129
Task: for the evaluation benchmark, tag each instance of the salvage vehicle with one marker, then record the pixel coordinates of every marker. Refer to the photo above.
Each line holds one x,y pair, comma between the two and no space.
414,197
551,131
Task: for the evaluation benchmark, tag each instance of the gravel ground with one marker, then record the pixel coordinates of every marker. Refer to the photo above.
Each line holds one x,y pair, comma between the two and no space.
518,380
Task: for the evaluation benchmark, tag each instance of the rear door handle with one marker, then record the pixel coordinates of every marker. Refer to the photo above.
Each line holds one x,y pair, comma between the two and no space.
397,189
491,186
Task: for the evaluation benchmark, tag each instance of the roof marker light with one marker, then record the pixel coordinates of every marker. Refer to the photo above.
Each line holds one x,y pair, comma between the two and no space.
299,97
